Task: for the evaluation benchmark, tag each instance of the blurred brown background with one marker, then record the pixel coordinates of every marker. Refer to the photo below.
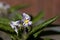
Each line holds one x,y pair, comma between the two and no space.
50,7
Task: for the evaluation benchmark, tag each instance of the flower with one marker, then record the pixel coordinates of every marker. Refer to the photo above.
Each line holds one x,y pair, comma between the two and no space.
4,5
27,23
15,25
26,20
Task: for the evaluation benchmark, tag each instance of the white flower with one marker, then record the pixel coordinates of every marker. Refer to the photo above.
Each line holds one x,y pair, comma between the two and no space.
15,25
4,5
26,20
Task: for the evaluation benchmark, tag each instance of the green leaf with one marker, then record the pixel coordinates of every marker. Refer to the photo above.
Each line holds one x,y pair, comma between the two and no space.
47,38
38,17
37,33
4,21
6,28
14,37
16,16
44,24
17,7
20,32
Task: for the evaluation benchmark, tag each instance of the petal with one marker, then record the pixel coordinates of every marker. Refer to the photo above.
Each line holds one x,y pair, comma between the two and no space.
23,20
26,16
18,22
30,22
12,22
12,26
15,23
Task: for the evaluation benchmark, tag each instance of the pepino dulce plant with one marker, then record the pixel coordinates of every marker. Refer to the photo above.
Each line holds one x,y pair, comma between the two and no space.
21,26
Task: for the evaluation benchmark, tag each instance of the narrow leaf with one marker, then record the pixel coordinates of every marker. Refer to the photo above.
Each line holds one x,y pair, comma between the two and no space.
4,21
18,16
6,28
15,16
37,28
37,33
38,17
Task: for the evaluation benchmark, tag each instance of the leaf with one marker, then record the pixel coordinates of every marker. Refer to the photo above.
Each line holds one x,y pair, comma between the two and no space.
7,29
16,16
14,37
5,26
44,24
17,7
38,17
20,32
48,38
4,21
37,33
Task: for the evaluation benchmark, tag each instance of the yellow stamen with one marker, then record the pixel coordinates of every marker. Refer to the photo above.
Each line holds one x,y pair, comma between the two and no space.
26,21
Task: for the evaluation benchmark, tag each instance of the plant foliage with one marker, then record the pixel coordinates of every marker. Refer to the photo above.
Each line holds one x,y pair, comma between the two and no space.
33,32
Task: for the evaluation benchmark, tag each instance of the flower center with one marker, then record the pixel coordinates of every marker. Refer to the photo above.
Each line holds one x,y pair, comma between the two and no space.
26,21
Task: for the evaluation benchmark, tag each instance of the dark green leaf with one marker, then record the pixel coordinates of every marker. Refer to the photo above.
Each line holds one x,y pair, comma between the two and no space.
38,17
7,29
5,26
16,17
37,28
4,21
37,33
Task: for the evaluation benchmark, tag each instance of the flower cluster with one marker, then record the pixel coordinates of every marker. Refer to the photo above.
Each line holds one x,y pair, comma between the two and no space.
25,22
